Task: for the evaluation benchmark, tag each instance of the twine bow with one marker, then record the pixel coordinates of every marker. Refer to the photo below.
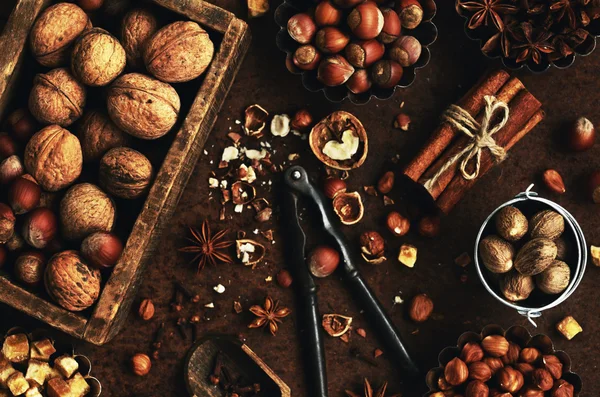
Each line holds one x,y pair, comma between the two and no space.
481,137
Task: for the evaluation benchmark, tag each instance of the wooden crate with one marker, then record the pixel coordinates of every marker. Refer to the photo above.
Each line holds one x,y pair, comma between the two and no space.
111,310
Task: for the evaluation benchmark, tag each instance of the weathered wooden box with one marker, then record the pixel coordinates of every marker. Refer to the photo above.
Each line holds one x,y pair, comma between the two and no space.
100,324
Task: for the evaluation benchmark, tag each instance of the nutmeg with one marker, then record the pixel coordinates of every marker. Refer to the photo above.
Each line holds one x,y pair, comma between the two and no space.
456,372
57,98
397,224
548,224
138,26
471,352
406,51
555,279
97,58
53,157
421,307
511,224
535,256
71,282
40,227
516,286
98,134
29,268
495,345
86,209
7,223
125,173
179,52
101,250
496,254
24,195
479,370
509,379
477,388
142,106
54,32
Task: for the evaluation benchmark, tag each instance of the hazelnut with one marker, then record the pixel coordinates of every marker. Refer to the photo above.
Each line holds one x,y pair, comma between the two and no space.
562,388
349,207
471,352
138,26
511,224
477,388
146,310
495,345
410,13
307,57
141,364
555,278
407,255
125,173
402,121
479,370
54,32
284,278
494,363
386,73
529,355
53,157
323,261
347,3
57,98
86,209
456,372
3,255
509,379
7,223
301,28
179,52
391,26
302,120
98,134
334,71
372,247
24,195
10,169
386,182
90,5
582,135
498,393
512,355
333,186
71,282
331,40
554,181
516,286
548,224
362,54
525,368
531,391
22,124
40,227
289,64
569,327
397,224
29,268
359,82
542,379
553,365
594,186
8,146
535,256
366,20
102,250
429,226
406,51
97,58
421,307
496,254
326,14
142,106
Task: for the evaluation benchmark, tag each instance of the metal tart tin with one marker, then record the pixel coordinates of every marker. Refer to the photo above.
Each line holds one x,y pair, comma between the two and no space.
426,33
516,334
529,203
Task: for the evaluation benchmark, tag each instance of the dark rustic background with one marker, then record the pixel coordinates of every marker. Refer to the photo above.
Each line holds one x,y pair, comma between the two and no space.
456,64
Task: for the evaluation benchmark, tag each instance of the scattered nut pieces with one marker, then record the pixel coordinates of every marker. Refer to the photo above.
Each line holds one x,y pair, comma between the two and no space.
146,310
230,153
569,327
280,125
349,207
554,181
219,288
377,353
370,190
463,260
237,307
421,307
250,252
408,255
257,8
255,121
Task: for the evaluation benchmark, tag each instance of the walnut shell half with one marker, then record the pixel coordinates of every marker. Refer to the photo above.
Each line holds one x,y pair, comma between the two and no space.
86,209
71,282
179,52
344,133
54,32
143,106
125,173
136,30
97,58
57,98
53,157
349,207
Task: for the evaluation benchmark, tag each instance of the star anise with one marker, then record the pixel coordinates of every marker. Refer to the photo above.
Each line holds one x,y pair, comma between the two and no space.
486,10
531,44
368,392
565,9
270,314
208,248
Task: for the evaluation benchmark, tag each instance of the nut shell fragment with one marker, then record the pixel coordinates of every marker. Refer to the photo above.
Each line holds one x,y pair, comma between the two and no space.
349,207
249,251
255,120
242,193
336,325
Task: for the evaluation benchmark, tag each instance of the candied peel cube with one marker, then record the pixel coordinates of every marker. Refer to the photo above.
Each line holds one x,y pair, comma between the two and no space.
78,386
569,327
57,387
16,348
42,349
66,365
408,255
17,384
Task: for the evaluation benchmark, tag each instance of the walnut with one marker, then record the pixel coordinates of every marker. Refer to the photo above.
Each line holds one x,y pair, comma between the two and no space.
98,134
53,157
55,31
57,98
125,173
138,27
143,106
97,58
70,282
86,209
179,52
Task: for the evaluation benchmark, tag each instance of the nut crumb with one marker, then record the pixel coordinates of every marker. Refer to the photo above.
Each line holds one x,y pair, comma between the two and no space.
219,289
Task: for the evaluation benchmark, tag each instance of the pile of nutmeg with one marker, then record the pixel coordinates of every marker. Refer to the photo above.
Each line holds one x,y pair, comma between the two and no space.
497,367
356,42
539,262
57,228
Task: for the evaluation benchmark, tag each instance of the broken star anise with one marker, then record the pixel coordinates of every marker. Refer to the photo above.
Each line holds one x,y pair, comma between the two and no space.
208,247
486,10
270,314
368,392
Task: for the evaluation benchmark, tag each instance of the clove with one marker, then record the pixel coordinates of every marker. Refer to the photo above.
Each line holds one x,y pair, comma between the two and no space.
158,338
215,377
182,326
177,302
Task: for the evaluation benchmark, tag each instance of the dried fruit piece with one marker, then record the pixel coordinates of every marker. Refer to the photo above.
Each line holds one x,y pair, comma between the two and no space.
336,325
257,8
408,255
595,254
349,207
554,181
569,327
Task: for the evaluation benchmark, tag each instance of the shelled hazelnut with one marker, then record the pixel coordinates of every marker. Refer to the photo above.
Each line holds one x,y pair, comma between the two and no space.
456,372
495,345
421,307
471,352
386,182
397,224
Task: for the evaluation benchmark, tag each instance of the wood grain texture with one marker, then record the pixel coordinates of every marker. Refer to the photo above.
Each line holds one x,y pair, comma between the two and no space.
201,11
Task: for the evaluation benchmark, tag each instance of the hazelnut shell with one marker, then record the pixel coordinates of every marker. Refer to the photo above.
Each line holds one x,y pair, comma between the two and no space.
349,207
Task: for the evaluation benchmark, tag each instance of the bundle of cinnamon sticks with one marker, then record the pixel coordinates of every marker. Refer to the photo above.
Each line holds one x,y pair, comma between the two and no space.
433,166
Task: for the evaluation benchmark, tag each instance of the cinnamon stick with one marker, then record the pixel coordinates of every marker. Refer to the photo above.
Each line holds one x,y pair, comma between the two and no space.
460,186
472,102
506,95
